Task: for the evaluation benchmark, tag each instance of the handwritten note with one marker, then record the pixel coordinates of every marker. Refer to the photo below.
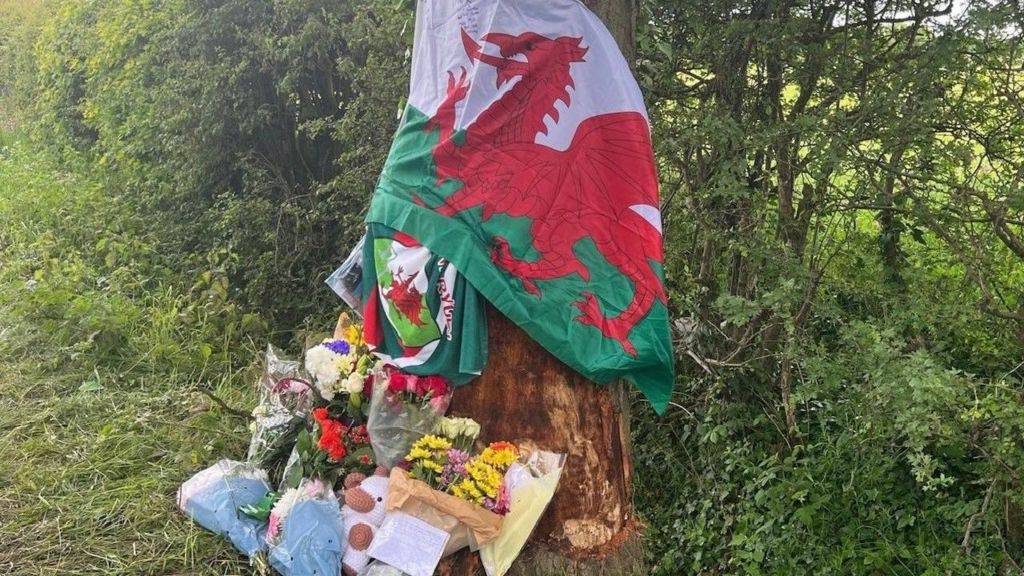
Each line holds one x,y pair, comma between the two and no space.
409,544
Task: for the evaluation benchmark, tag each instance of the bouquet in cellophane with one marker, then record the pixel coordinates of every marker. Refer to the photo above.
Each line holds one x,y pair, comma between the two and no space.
286,398
342,369
403,408
212,499
305,531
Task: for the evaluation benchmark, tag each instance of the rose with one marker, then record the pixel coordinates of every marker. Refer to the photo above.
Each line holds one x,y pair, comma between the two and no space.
436,386
354,383
397,382
439,404
414,385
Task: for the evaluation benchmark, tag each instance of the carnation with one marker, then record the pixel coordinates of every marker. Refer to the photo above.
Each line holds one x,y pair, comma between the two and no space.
322,363
308,490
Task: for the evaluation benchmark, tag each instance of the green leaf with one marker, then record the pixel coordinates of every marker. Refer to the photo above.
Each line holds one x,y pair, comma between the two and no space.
90,386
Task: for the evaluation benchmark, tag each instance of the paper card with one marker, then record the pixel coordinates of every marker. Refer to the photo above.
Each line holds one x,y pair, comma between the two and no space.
409,544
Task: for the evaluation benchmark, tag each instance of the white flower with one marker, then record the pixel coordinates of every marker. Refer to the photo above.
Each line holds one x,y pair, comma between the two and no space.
322,364
472,429
346,363
455,427
354,383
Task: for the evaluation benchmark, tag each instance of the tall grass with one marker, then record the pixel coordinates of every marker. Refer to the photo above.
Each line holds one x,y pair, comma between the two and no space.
103,360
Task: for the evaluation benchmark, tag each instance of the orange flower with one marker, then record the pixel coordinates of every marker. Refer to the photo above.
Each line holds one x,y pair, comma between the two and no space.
331,439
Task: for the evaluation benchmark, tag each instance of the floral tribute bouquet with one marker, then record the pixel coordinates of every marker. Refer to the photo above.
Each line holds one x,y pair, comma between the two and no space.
531,482
331,450
213,496
342,371
305,532
286,397
445,485
435,461
403,408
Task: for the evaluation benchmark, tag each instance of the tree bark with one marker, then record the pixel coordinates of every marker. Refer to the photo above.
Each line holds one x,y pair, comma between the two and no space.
525,393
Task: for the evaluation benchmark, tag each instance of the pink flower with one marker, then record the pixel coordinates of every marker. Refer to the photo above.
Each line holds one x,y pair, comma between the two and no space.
414,384
439,404
500,505
273,528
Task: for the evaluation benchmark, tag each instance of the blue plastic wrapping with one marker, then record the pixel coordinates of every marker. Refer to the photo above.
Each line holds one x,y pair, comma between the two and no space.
212,497
312,541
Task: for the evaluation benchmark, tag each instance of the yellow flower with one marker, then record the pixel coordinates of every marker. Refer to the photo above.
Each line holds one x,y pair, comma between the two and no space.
467,490
354,336
500,455
418,454
486,478
431,442
431,465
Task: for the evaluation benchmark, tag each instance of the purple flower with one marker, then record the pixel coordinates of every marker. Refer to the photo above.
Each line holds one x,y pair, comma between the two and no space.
454,468
500,505
339,346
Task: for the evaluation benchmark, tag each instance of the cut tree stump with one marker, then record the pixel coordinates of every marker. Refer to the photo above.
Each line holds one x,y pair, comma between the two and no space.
525,393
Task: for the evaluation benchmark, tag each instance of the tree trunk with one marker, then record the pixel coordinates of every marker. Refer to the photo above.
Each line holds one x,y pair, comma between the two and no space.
525,393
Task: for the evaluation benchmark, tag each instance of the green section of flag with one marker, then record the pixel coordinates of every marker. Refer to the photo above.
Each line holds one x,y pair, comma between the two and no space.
454,347
404,199
411,334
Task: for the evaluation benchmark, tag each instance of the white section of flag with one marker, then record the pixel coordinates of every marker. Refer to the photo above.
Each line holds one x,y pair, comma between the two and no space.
603,81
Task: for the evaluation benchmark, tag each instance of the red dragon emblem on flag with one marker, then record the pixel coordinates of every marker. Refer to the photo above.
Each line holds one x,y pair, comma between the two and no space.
602,187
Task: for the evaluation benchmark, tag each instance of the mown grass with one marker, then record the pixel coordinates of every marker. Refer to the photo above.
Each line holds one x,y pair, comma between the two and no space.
93,446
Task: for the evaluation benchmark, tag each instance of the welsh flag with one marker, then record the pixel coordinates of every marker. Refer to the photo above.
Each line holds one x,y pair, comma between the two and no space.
524,159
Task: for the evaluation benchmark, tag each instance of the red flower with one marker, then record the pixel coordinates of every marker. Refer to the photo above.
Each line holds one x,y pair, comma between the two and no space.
368,386
398,382
320,415
334,447
364,459
436,385
330,440
419,386
332,435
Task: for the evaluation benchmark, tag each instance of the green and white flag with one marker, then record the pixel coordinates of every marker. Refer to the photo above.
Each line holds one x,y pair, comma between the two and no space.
524,159
420,313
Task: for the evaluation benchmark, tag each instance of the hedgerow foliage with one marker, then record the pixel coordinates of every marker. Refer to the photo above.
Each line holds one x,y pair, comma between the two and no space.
247,132
843,208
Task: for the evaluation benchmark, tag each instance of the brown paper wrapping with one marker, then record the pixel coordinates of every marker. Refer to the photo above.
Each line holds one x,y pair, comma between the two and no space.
467,523
343,323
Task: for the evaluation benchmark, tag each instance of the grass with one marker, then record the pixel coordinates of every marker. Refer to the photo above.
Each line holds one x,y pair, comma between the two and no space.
89,477
92,455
